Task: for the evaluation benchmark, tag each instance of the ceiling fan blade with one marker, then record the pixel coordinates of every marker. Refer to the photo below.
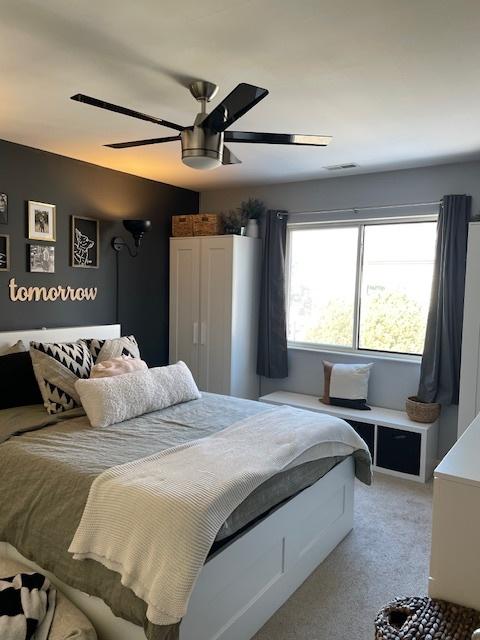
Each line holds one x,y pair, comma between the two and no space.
277,138
229,157
234,106
95,102
141,143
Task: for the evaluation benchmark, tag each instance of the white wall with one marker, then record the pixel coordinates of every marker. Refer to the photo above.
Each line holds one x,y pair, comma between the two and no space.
392,380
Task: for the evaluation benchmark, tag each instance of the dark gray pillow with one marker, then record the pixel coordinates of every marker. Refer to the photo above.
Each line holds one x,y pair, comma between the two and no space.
17,381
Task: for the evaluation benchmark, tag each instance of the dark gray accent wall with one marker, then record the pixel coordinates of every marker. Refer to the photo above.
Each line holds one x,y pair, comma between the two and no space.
83,189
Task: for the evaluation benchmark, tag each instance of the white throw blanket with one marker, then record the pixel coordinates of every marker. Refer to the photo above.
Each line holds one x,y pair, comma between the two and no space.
154,520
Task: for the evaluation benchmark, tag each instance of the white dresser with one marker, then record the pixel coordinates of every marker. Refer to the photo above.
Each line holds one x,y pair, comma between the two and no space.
214,292
469,403
455,558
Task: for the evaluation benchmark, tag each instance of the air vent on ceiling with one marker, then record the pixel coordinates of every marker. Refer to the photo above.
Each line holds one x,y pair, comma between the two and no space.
337,167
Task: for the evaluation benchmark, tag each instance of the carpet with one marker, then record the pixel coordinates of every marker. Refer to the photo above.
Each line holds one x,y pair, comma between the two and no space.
386,555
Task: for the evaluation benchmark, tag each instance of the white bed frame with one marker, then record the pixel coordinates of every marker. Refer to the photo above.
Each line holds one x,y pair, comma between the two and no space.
243,584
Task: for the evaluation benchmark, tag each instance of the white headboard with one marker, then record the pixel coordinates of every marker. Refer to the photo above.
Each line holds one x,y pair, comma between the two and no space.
65,334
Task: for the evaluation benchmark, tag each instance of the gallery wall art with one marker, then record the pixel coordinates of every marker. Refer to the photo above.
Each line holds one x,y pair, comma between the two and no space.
41,221
85,241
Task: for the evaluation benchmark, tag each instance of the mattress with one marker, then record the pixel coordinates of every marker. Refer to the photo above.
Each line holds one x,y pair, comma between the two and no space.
51,462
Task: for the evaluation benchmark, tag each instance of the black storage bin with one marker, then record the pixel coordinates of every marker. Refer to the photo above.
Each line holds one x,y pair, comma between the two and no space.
398,450
366,431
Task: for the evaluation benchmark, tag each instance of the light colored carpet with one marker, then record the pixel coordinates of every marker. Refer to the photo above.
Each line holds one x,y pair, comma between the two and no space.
386,555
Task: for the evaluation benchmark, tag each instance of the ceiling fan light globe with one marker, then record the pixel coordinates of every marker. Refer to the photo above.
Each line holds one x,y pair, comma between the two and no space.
202,163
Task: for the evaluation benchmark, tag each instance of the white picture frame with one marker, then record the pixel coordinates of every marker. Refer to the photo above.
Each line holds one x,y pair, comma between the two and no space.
42,221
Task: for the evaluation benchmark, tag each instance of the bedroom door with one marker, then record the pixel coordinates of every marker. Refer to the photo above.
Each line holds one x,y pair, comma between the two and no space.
216,265
185,302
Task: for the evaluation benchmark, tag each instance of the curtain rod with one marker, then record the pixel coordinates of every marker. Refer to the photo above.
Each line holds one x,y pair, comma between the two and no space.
356,209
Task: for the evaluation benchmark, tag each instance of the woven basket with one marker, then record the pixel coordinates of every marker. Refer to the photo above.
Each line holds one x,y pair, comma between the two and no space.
207,224
425,619
182,226
422,411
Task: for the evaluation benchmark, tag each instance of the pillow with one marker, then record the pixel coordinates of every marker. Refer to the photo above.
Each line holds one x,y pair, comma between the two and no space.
346,385
102,350
18,347
17,381
110,400
57,367
117,367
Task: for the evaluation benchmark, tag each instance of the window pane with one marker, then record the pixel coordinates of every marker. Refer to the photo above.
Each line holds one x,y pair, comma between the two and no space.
321,301
396,286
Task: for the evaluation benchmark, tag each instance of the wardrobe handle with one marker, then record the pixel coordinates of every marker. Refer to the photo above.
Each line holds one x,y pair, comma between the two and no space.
203,333
195,333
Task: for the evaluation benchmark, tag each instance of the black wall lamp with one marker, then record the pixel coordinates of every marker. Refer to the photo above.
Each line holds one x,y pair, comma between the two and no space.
138,228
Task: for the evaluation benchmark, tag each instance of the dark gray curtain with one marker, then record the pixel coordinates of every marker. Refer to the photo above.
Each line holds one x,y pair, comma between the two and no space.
440,371
272,331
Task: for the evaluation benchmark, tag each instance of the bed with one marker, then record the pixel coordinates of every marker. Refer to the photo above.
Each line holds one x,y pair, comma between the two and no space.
263,552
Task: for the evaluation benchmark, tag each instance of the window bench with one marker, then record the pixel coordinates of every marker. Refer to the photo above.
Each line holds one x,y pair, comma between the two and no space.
399,446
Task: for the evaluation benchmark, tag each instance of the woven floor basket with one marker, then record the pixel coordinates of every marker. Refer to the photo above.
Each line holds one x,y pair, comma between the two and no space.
425,619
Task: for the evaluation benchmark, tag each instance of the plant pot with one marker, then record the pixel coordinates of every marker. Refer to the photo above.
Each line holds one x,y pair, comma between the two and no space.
232,230
252,228
424,412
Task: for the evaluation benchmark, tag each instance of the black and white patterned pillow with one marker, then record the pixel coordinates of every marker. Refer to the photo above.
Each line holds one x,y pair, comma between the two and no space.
57,367
102,350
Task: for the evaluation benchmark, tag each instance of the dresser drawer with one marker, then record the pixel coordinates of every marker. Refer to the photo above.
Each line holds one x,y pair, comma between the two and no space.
399,450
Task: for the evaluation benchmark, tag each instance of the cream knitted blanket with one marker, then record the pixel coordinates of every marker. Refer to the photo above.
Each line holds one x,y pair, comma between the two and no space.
154,520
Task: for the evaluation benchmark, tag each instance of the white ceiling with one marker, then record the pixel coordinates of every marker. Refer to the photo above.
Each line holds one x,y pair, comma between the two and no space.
394,81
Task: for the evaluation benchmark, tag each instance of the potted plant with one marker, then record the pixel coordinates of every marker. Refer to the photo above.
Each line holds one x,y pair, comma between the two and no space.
252,210
233,222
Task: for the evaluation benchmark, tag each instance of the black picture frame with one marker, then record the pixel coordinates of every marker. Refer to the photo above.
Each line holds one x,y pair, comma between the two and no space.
85,243
4,252
3,208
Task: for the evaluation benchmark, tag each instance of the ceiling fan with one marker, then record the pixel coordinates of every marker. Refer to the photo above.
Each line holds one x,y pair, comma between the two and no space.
203,143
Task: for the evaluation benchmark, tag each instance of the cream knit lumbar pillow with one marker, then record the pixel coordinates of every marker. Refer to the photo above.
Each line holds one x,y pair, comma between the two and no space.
111,400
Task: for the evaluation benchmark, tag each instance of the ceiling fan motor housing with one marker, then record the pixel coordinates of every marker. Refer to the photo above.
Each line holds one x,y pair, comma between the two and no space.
201,148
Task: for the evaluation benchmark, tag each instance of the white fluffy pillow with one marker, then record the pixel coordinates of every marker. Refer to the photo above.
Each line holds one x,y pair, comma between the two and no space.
110,400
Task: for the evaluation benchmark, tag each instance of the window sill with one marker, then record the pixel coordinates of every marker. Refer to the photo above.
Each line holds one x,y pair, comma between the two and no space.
378,355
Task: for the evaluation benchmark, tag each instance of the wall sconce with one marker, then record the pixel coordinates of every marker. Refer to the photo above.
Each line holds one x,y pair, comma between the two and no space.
138,228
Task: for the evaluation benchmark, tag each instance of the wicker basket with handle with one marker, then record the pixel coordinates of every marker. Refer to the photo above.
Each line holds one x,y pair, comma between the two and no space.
425,619
418,411
182,226
207,224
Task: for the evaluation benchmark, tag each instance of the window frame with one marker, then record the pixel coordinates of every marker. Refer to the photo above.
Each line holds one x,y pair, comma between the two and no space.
360,224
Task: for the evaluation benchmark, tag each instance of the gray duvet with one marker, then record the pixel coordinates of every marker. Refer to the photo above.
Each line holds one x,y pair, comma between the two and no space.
47,470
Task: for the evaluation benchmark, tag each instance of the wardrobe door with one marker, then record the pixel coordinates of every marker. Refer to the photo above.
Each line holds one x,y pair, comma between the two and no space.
216,313
185,302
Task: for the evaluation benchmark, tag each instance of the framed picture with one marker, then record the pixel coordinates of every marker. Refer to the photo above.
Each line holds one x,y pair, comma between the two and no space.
4,253
42,258
3,208
41,221
85,243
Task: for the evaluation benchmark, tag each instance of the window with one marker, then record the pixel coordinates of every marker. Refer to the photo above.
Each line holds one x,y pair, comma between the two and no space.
361,285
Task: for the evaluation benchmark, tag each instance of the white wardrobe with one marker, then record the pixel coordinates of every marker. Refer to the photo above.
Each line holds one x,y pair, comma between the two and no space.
469,402
214,292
